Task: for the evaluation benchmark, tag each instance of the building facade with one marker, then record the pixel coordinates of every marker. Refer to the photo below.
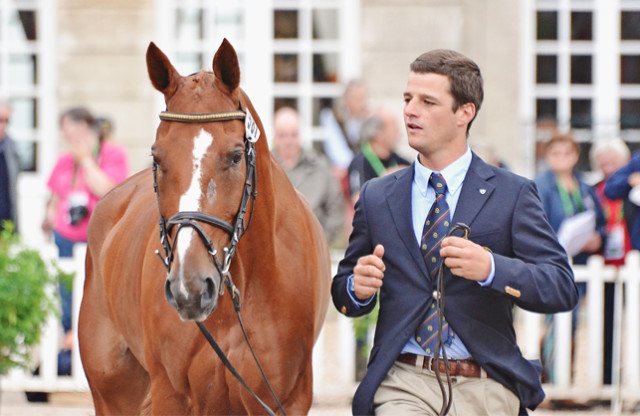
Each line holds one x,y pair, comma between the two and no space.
547,64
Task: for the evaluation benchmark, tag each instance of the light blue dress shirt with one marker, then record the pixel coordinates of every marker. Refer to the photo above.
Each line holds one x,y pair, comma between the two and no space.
422,197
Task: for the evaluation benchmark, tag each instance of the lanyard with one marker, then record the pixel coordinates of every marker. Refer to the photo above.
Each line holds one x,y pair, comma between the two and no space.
374,160
571,203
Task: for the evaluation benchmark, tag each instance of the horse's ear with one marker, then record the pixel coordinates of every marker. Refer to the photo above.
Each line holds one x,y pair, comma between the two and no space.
163,75
226,67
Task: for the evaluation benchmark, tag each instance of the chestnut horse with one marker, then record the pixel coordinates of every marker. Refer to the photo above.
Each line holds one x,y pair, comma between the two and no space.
139,355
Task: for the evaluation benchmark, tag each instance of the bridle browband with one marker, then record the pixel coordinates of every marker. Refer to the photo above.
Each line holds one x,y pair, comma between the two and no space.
192,219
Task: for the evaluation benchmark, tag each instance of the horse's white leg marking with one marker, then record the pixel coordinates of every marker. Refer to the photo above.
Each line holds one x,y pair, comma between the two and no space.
190,200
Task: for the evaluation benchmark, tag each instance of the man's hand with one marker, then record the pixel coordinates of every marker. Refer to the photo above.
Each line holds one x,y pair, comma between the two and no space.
368,274
466,259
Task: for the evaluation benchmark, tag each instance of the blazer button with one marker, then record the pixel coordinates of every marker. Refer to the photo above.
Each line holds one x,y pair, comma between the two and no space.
343,310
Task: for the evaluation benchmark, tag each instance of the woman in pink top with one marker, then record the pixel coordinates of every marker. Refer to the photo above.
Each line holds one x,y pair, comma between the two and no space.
79,179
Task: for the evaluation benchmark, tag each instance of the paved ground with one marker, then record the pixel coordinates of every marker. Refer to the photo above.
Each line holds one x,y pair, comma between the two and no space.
79,404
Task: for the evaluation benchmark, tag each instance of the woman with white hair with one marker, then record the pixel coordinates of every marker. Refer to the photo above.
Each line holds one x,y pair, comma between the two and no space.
608,156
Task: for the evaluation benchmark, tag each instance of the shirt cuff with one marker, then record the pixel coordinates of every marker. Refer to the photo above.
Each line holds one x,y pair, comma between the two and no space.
487,282
357,302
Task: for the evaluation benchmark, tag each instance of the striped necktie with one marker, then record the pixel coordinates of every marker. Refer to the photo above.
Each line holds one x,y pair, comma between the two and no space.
435,229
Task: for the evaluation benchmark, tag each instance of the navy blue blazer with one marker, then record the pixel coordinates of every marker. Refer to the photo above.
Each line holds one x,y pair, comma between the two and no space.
618,187
531,270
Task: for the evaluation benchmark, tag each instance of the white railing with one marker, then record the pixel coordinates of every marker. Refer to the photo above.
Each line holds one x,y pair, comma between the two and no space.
46,356
578,374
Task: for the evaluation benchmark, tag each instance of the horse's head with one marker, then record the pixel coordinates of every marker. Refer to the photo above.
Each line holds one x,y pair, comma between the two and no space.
200,164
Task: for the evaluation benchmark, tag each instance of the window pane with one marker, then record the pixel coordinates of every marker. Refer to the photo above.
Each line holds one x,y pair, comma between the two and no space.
28,21
24,114
630,69
285,68
229,23
580,113
630,25
22,70
546,109
189,24
27,155
581,26
188,63
280,102
547,25
285,24
319,104
325,67
325,24
546,69
630,114
581,69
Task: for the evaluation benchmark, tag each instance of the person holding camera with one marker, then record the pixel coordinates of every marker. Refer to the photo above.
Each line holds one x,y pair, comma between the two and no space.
80,177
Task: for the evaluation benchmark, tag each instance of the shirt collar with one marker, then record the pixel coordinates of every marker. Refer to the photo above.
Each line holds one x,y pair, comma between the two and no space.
453,174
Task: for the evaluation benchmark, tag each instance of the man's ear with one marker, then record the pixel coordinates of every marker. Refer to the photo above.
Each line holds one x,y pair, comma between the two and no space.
466,112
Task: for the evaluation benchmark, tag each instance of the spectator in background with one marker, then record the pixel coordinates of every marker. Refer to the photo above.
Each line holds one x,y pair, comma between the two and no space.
308,172
608,156
342,127
563,195
625,183
80,177
379,136
9,168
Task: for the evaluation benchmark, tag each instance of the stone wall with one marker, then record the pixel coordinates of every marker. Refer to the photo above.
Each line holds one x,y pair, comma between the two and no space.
395,33
101,52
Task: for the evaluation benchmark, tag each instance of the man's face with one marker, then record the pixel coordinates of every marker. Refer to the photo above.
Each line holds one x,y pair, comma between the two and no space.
429,118
286,135
5,115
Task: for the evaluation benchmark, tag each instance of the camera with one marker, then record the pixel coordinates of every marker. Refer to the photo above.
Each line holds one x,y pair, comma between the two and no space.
77,214
78,207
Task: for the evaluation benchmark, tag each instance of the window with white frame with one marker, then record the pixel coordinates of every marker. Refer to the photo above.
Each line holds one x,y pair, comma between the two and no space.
292,53
23,78
586,68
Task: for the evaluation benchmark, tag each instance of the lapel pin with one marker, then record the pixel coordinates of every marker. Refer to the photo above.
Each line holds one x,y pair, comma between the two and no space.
482,191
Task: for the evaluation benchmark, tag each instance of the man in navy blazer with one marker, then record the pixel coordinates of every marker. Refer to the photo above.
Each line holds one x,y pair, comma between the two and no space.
511,258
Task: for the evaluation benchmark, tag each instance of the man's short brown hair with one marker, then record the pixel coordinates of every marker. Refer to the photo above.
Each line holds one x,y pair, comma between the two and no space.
464,76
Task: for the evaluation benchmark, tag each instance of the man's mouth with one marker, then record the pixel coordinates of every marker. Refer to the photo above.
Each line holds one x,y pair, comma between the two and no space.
413,126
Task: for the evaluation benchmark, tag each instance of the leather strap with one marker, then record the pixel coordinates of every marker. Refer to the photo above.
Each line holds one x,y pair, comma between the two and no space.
464,368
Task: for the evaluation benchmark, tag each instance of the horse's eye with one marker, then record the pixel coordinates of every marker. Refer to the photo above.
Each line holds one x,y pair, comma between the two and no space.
236,158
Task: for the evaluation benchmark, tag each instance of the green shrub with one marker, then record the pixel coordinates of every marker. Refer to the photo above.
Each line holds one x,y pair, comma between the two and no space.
25,304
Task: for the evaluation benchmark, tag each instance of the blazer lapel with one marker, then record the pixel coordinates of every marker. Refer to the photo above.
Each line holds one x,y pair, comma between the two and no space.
399,202
475,192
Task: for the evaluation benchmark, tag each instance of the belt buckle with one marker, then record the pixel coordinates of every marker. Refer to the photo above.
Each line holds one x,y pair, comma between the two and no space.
429,359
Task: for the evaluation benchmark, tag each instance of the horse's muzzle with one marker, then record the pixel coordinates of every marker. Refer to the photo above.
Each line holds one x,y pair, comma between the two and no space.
193,301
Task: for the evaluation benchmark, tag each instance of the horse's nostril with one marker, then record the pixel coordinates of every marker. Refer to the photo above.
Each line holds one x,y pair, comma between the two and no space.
208,292
169,295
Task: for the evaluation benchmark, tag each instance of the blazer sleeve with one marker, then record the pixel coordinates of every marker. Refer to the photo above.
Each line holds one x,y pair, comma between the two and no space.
359,245
617,186
537,274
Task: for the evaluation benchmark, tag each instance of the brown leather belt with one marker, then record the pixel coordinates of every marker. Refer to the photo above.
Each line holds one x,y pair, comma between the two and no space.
465,368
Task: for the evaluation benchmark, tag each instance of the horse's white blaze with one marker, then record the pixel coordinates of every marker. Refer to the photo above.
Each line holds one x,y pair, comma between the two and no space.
190,200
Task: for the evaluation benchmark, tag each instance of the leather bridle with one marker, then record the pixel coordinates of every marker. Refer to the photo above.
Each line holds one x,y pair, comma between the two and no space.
193,219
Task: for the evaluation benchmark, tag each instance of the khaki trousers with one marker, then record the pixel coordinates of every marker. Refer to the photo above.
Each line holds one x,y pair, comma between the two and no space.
412,390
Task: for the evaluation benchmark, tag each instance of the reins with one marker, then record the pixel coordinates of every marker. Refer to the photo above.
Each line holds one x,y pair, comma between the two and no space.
236,231
447,396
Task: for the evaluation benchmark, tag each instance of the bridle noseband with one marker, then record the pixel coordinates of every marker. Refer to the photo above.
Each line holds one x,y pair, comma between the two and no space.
192,218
